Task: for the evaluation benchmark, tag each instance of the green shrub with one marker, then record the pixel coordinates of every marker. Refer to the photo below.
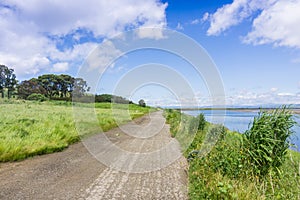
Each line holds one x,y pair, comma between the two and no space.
216,134
197,123
266,142
201,122
173,117
36,97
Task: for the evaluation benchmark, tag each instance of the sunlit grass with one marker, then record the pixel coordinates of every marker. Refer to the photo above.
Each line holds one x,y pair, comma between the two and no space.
221,174
34,128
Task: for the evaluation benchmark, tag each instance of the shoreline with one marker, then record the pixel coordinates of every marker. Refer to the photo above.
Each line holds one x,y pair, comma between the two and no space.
294,110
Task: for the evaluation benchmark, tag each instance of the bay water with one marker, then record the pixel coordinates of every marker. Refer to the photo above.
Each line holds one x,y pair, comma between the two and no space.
239,120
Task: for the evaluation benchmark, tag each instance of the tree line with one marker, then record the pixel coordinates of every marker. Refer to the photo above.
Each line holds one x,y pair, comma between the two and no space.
52,86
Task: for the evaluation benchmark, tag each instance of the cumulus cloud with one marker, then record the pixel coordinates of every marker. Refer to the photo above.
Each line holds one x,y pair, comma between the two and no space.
227,16
60,67
33,32
149,32
278,24
103,56
273,21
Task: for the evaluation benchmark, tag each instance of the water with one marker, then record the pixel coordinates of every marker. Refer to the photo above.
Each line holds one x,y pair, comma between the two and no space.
239,121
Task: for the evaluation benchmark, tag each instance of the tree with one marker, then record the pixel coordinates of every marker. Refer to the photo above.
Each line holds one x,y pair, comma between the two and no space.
142,103
66,85
49,83
53,86
2,79
80,87
7,80
201,121
103,98
10,82
111,98
28,87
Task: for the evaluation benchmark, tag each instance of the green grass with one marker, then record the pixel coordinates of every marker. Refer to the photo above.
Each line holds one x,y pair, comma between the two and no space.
217,176
34,128
222,173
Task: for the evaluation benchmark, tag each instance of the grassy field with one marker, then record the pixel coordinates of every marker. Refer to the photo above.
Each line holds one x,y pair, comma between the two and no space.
221,174
34,128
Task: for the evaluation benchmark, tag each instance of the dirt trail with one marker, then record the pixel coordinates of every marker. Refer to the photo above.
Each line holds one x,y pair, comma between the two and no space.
76,174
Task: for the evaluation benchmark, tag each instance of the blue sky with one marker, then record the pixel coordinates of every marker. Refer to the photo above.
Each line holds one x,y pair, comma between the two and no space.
255,45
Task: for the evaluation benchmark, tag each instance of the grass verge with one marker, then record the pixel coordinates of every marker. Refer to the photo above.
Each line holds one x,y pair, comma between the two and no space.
35,128
222,173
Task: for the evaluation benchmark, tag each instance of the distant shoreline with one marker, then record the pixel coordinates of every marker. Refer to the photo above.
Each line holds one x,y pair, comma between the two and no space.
294,110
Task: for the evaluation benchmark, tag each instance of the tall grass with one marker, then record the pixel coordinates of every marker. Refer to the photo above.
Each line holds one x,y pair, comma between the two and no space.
266,142
34,128
229,172
184,127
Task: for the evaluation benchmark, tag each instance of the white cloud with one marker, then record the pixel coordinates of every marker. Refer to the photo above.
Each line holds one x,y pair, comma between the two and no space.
274,89
239,98
32,30
285,94
60,67
205,17
77,53
152,33
278,24
195,21
227,16
275,21
103,56
246,97
100,16
179,27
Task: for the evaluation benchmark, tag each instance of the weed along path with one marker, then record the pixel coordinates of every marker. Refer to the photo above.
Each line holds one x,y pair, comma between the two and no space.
135,164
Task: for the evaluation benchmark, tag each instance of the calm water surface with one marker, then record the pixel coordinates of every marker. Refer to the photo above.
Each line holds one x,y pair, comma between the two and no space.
239,121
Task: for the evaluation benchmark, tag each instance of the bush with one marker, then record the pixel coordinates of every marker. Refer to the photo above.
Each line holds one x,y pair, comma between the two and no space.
266,142
197,123
201,122
142,103
37,97
173,117
215,134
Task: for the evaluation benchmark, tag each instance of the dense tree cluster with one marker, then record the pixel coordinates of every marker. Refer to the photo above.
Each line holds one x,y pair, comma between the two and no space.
8,81
111,98
28,87
53,86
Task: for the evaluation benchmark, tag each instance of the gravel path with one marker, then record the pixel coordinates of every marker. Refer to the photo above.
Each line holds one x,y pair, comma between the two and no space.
149,167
